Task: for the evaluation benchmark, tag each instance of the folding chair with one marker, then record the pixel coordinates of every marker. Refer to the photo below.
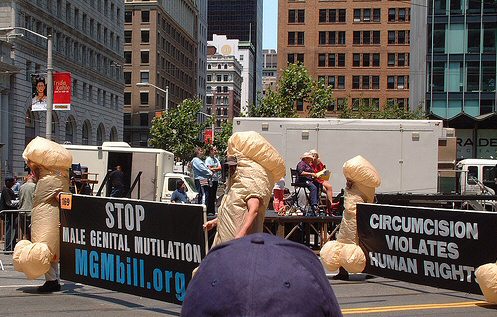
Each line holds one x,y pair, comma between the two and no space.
298,187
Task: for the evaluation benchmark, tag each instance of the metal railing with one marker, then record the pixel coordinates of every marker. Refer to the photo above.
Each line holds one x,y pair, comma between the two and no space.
19,221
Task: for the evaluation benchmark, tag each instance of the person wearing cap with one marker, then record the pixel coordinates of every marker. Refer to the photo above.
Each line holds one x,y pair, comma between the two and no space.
202,175
260,275
307,175
7,202
318,166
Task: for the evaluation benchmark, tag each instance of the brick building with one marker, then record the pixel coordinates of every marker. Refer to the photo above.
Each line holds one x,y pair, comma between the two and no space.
360,48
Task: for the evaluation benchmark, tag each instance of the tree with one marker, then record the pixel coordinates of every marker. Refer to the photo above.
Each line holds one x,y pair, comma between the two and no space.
319,99
273,104
389,111
178,130
221,138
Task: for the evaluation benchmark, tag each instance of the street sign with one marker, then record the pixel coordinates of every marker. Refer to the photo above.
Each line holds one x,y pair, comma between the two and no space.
428,246
143,248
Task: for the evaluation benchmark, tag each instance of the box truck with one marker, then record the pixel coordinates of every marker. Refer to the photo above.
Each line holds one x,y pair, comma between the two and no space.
150,169
405,152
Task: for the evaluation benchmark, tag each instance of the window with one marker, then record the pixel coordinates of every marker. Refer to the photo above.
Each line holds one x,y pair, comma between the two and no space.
144,57
357,37
127,36
357,15
390,82
376,59
376,15
341,15
376,82
365,60
143,119
127,78
341,37
144,77
145,16
145,36
391,59
341,82
391,37
143,98
331,60
321,60
376,37
365,82
296,16
127,57
356,60
355,82
391,15
401,59
331,81
322,15
341,60
127,98
219,78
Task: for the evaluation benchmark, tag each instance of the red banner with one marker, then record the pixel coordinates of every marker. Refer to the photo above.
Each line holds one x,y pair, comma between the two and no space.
62,91
208,136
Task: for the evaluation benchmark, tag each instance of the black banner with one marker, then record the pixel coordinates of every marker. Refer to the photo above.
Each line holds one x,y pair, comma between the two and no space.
435,247
139,247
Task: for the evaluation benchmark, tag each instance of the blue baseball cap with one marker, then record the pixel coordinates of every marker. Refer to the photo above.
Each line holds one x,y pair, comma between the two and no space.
260,275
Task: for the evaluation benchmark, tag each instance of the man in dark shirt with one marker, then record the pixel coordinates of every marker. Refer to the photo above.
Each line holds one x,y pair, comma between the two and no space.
307,175
7,203
179,195
117,182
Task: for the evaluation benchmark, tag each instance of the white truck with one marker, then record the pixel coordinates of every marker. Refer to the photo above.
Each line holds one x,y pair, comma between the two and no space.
157,180
405,152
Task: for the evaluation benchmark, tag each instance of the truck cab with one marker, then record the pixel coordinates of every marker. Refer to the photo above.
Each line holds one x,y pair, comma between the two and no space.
170,181
477,176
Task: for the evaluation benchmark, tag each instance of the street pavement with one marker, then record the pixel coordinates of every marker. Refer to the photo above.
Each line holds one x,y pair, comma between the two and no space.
360,296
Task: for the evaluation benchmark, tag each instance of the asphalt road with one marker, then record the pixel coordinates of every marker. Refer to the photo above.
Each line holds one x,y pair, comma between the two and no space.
360,297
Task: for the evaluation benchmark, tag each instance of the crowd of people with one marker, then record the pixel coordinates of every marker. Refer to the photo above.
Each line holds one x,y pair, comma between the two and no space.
17,194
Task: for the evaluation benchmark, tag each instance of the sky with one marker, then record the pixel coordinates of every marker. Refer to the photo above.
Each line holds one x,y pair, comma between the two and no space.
270,24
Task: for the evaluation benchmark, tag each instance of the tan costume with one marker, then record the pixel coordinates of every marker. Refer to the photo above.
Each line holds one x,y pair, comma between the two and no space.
486,276
259,166
345,251
53,161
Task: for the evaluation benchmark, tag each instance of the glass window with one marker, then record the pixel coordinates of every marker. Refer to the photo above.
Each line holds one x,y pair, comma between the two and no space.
292,18
376,59
322,16
291,38
488,76
357,37
331,81
472,175
366,37
365,59
144,77
473,38
473,76
401,37
127,78
390,82
143,119
322,60
391,37
341,60
127,57
355,82
331,60
300,38
357,15
332,37
145,36
376,37
127,36
356,60
300,16
127,98
391,15
143,98
376,15
341,82
439,38
401,59
322,38
489,36
341,37
402,14
145,16
341,15
366,15
365,82
144,57
376,82
128,16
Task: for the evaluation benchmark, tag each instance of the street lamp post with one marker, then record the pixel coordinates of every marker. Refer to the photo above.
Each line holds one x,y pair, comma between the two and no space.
48,128
165,91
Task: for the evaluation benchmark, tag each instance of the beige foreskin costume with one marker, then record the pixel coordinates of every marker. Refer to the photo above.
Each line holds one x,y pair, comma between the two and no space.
53,161
486,276
259,166
345,251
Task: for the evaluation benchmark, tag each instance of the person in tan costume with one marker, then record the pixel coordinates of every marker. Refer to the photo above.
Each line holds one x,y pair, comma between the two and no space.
249,187
362,179
50,163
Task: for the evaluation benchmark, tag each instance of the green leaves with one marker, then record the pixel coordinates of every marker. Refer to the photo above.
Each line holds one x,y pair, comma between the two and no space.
178,131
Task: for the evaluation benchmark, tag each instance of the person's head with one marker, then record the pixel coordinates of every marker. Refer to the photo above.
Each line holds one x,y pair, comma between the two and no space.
212,150
307,157
180,185
260,275
40,86
199,151
9,181
29,178
314,154
119,168
231,163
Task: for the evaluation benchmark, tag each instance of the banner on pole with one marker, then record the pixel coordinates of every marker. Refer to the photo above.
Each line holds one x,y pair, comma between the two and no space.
428,246
143,248
62,91
208,136
39,93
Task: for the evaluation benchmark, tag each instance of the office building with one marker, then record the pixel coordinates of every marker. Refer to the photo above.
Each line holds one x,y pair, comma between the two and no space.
269,70
88,43
360,48
160,52
224,85
240,20
457,70
202,49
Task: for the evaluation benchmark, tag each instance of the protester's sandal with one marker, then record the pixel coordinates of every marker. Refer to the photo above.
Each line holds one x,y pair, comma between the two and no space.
49,287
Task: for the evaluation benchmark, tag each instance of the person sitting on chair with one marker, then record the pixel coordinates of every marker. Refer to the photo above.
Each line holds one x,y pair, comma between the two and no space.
318,166
307,175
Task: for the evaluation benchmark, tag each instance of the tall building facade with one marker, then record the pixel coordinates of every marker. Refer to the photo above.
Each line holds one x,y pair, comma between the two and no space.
458,70
202,49
88,43
160,52
360,48
269,70
224,86
241,20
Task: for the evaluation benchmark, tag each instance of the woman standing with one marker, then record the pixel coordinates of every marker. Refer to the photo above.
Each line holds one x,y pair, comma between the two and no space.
212,162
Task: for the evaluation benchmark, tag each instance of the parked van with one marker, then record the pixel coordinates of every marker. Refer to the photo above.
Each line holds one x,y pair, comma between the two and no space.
477,176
